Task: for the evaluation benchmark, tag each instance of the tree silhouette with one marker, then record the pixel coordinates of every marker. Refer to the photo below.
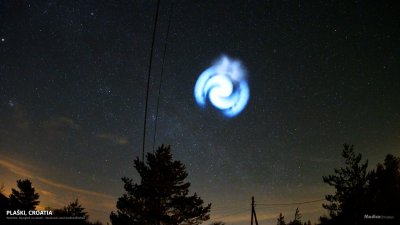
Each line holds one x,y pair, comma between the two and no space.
162,197
360,194
297,218
383,194
73,209
350,183
280,220
25,198
4,205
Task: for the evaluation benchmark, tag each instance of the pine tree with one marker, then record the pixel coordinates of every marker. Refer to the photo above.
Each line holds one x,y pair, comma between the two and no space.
73,209
162,197
4,206
350,183
297,218
24,199
383,194
281,220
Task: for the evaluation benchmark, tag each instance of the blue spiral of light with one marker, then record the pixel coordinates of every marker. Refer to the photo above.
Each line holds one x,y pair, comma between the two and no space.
225,85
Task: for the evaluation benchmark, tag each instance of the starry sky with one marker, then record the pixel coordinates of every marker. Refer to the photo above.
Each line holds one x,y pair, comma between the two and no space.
73,78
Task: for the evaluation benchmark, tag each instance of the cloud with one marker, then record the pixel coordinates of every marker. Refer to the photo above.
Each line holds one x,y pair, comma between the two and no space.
116,139
56,194
19,170
61,122
11,166
73,189
46,193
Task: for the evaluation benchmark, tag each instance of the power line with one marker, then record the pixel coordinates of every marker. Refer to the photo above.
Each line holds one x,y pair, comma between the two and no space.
226,208
243,210
239,207
162,72
148,78
231,214
292,203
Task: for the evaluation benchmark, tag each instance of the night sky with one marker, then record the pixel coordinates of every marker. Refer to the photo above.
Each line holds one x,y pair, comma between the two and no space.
73,78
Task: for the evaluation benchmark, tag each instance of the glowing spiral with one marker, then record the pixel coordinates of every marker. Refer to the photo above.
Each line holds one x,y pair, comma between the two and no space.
225,85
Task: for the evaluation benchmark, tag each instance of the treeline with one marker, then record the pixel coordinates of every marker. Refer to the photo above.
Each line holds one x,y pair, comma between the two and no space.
162,197
295,221
361,197
25,198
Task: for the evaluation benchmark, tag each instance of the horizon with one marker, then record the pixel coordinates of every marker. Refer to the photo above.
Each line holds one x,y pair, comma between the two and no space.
74,78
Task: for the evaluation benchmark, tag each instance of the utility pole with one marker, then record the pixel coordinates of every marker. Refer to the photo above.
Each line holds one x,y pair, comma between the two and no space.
253,212
252,209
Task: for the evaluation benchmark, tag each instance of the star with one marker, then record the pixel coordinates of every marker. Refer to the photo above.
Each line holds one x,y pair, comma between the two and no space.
75,95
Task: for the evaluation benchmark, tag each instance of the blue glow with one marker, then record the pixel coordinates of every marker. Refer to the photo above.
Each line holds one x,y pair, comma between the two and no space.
225,85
